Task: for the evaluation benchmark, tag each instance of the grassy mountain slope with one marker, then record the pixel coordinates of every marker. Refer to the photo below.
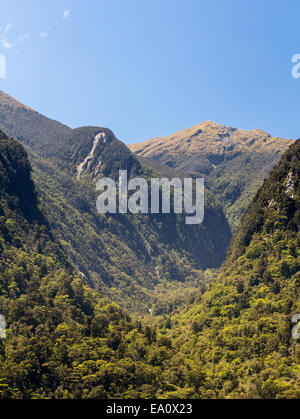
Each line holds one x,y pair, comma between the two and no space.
124,256
233,162
236,340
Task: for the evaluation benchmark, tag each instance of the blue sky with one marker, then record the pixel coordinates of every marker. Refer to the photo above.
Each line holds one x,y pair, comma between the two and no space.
147,68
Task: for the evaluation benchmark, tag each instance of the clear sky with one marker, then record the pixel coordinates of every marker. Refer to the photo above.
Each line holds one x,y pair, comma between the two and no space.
147,68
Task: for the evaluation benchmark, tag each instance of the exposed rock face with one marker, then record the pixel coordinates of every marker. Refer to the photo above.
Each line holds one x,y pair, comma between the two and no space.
88,160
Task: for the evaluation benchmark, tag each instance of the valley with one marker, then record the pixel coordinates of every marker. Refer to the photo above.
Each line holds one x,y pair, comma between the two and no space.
104,306
124,256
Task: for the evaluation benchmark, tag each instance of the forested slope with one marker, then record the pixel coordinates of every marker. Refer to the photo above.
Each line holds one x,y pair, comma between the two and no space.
124,256
236,340
63,339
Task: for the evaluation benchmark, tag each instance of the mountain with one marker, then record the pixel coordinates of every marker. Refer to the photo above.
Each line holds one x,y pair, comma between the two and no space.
66,341
126,257
233,162
16,186
236,340
63,340
229,338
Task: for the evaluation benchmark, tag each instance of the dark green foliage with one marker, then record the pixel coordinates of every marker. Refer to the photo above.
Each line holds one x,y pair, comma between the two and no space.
273,202
16,187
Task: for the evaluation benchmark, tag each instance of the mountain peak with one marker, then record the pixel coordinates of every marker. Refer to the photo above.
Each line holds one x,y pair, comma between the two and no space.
211,125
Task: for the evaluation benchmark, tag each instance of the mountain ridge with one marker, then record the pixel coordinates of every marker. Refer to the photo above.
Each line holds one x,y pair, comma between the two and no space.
201,132
233,162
